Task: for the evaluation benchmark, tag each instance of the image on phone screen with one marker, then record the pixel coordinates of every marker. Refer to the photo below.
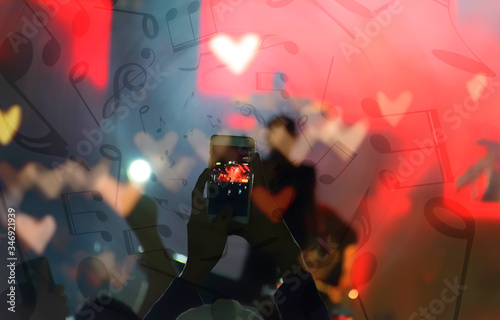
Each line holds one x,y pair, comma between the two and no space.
230,180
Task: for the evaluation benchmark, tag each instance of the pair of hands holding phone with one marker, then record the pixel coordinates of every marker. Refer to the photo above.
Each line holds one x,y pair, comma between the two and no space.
262,202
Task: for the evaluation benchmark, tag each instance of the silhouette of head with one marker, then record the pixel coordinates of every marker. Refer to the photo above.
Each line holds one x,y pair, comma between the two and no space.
282,134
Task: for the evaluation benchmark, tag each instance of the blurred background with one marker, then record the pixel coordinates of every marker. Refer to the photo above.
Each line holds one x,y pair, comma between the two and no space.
395,104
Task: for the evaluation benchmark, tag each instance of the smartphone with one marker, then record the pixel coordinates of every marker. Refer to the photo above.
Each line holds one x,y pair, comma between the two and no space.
231,177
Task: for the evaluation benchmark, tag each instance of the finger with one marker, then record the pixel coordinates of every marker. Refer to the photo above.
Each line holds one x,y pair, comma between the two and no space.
200,184
255,157
257,170
198,203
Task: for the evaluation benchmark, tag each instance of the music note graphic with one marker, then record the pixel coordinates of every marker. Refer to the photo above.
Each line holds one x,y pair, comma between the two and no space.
183,216
52,49
217,125
125,73
149,22
268,81
247,110
149,235
70,214
473,65
380,143
442,227
77,73
176,26
14,65
169,162
81,21
290,46
362,217
162,124
200,56
427,146
190,133
184,181
301,122
162,202
361,10
335,162
278,3
362,271
188,100
365,265
164,164
333,18
183,211
327,110
112,153
143,110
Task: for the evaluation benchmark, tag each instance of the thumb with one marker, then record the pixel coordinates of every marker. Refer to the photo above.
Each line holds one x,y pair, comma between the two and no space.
258,171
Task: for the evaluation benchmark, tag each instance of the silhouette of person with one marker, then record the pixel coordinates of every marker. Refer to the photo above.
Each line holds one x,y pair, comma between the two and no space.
280,172
297,297
259,275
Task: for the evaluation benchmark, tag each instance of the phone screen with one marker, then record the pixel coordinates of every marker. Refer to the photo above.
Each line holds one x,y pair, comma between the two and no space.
231,179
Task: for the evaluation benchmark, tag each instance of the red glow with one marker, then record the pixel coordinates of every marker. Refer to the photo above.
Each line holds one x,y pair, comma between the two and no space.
238,121
481,211
422,77
88,25
347,52
273,205
94,47
363,269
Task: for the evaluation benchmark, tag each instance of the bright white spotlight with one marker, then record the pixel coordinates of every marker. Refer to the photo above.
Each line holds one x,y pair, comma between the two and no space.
139,171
